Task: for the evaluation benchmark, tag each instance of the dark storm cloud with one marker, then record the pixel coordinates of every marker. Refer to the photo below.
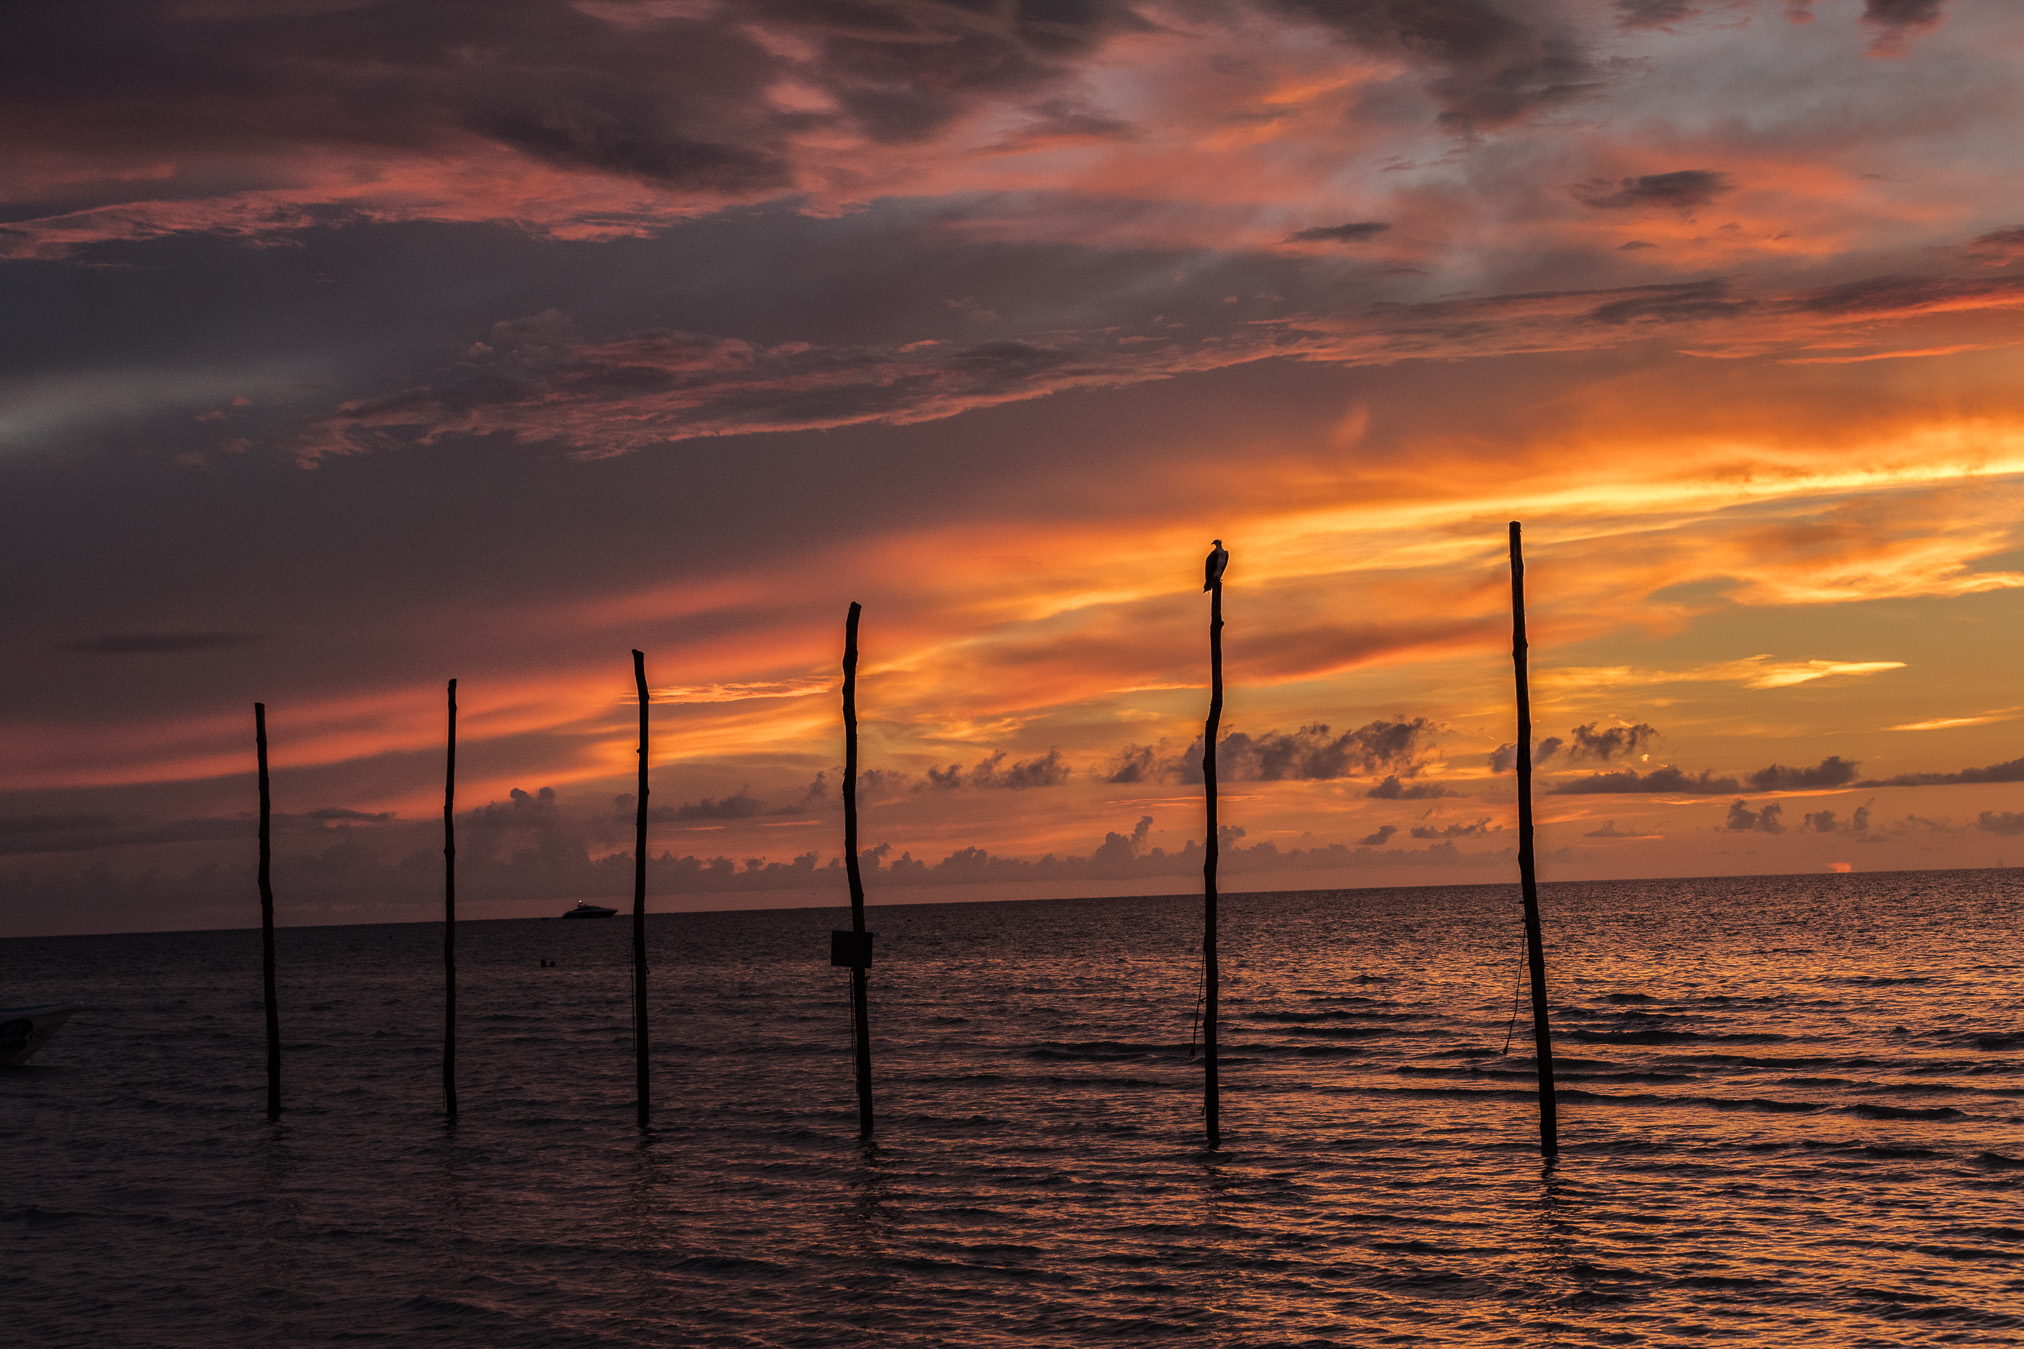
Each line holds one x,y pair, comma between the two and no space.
1683,190
1997,246
1827,822
740,806
1313,753
1474,829
2012,771
1496,61
1899,19
1654,13
520,810
678,100
1505,757
1355,232
1380,837
2001,822
1905,295
1743,820
242,97
1133,763
1668,780
151,643
1392,789
1685,302
1605,745
1833,771
1049,770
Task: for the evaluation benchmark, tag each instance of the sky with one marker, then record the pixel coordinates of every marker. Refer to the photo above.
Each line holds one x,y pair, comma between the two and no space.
357,346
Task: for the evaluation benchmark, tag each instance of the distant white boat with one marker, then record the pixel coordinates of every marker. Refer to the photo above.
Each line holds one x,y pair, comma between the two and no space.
584,909
23,1030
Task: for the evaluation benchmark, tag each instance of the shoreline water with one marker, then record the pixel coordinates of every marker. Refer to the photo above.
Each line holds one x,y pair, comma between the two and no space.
1792,1109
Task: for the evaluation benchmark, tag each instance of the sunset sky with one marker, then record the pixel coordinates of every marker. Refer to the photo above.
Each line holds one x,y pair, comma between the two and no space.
356,346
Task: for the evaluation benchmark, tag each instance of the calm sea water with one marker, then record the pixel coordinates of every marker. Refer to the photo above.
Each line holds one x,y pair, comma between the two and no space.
1792,1113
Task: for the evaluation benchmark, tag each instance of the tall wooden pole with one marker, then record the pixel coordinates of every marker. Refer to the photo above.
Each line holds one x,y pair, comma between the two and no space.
1528,878
450,913
267,919
639,935
1212,1100
859,974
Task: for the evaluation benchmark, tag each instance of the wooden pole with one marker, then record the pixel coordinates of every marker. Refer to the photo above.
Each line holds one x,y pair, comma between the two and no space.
639,935
267,919
1212,1100
1528,878
450,914
859,974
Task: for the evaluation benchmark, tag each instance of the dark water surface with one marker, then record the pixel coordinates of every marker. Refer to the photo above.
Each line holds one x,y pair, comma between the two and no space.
1792,1112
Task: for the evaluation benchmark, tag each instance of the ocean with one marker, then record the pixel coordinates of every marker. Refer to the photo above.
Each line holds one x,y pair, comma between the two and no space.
1792,1113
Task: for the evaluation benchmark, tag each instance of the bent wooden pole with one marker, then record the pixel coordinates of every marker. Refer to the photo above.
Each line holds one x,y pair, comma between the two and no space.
639,932
1212,1088
1528,877
267,918
857,951
450,912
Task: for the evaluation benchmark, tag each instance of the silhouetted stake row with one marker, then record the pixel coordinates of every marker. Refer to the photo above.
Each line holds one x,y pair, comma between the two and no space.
853,948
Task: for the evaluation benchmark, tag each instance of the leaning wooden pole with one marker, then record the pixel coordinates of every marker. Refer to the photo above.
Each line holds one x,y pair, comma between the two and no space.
639,933
1528,877
267,918
860,955
1212,1091
450,912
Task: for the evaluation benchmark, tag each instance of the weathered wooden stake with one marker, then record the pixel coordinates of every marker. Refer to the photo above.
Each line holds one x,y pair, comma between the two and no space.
859,973
639,951
267,919
1528,879
1212,1098
450,914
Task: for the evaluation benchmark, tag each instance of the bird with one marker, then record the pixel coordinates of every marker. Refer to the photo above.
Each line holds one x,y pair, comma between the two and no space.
1212,567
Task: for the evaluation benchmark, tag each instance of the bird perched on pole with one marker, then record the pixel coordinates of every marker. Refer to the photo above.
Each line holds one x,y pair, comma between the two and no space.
1212,569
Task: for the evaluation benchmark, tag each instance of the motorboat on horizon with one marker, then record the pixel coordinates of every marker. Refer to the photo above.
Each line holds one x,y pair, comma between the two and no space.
23,1030
585,909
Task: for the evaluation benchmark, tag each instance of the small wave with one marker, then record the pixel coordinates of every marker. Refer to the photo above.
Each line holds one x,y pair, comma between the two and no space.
1867,1111
1996,1161
1100,1051
1669,1037
1897,1154
730,1264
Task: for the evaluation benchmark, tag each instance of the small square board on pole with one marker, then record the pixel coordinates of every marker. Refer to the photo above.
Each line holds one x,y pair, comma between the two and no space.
851,950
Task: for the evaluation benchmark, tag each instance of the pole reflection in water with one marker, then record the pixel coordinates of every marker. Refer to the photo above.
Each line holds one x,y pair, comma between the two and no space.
1791,1107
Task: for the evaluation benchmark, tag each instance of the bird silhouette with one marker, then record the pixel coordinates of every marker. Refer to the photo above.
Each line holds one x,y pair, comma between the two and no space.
1212,568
